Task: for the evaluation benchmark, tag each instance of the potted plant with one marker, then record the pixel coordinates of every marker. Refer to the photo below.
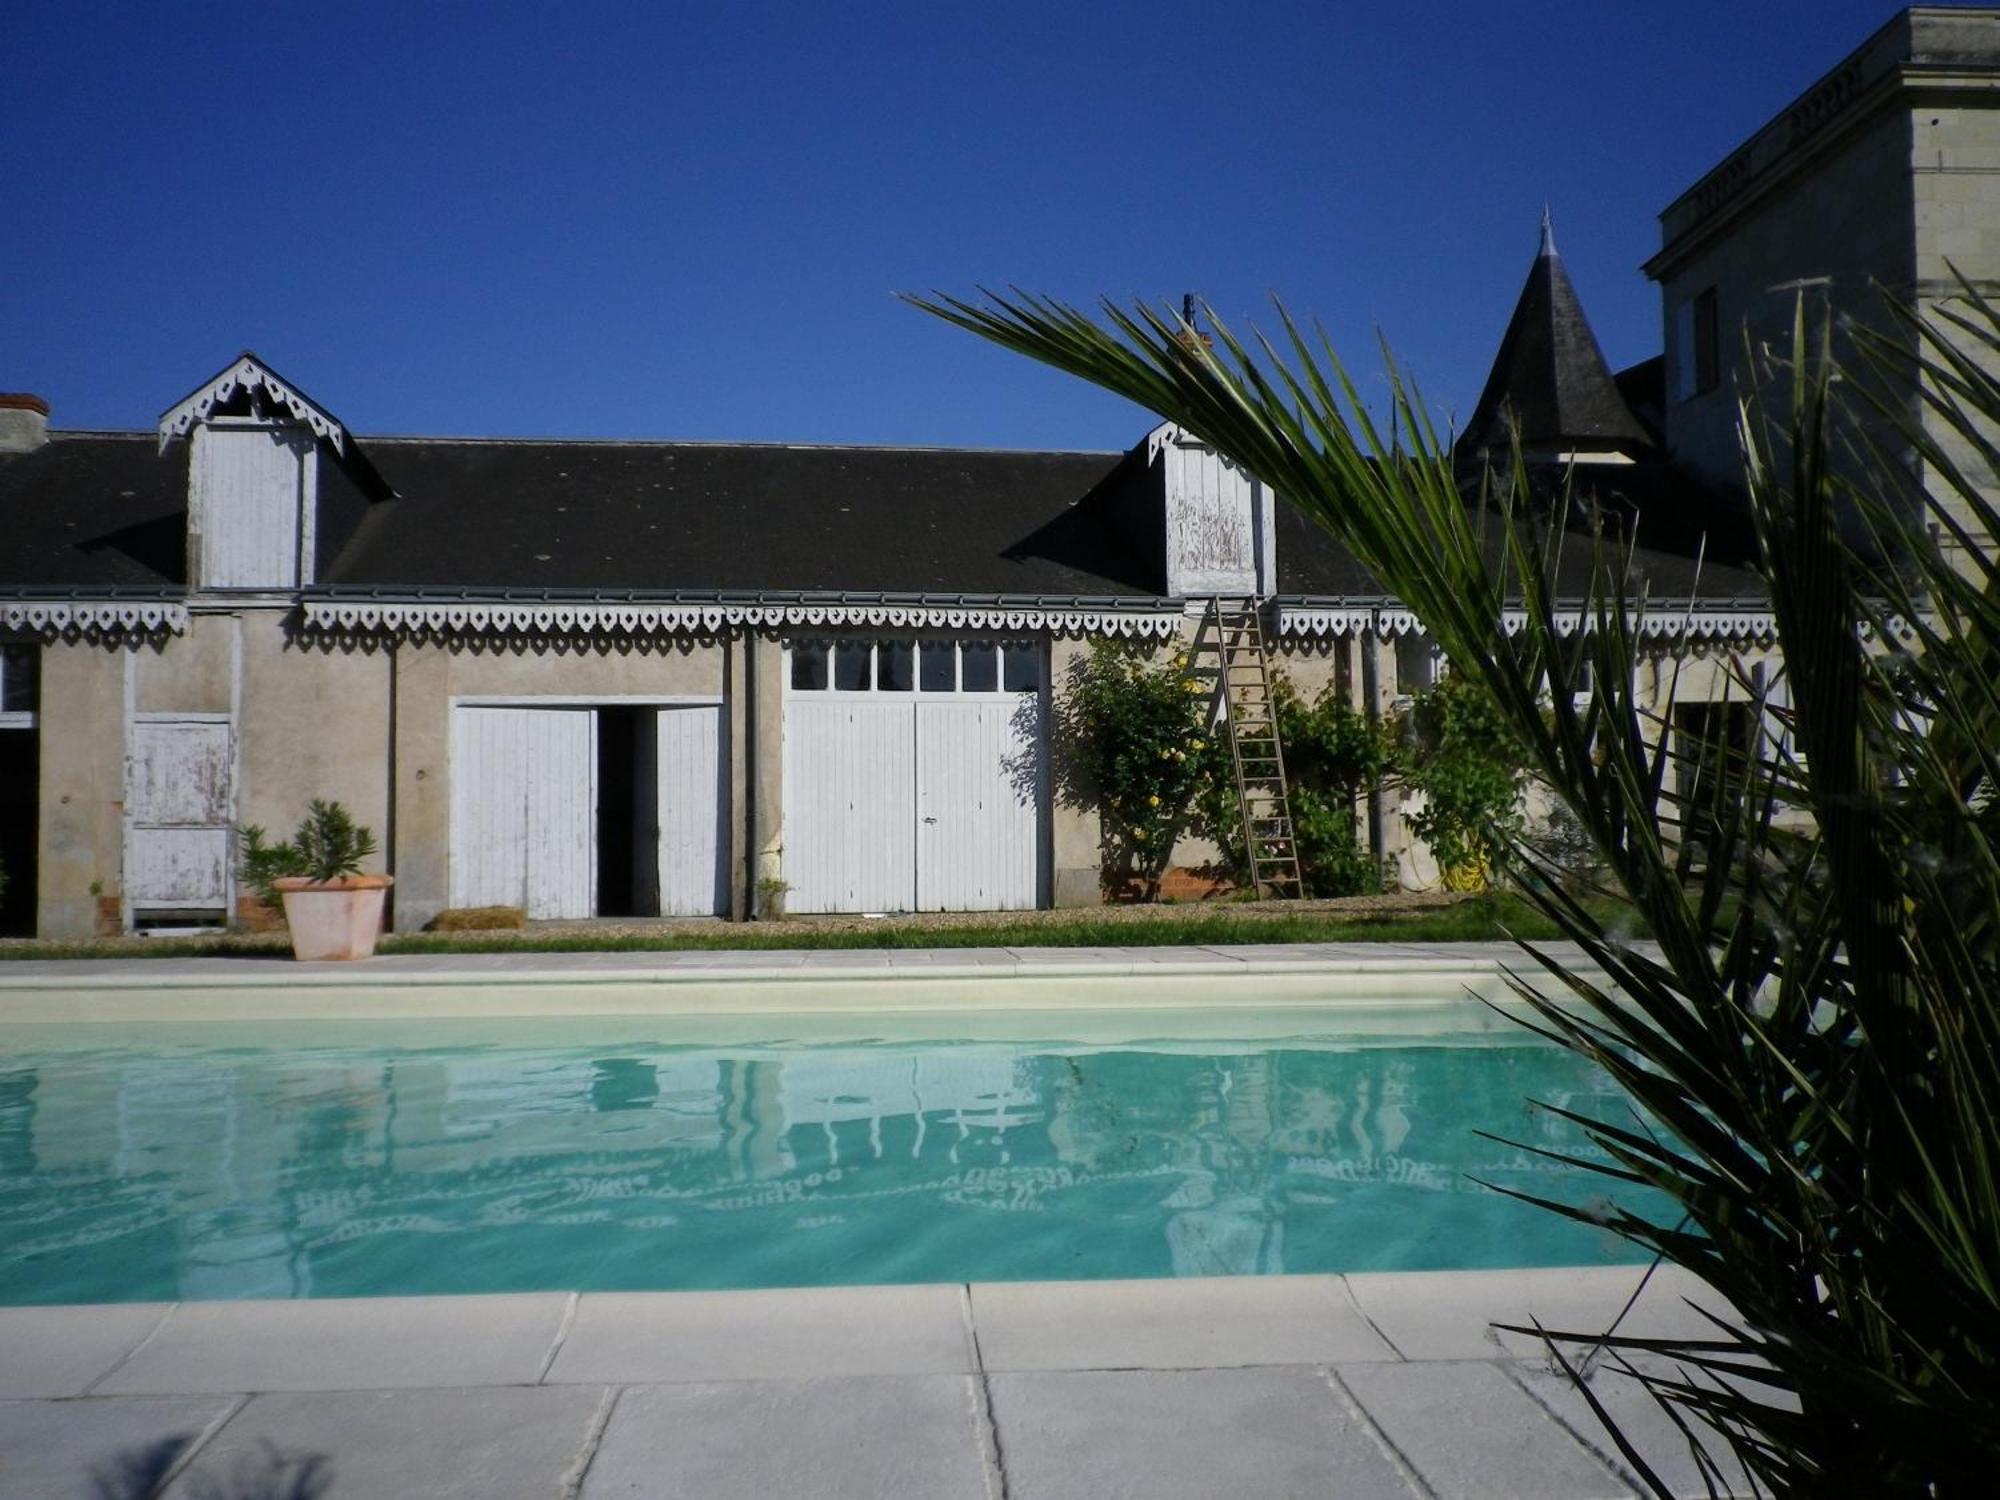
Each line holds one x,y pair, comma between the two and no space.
333,910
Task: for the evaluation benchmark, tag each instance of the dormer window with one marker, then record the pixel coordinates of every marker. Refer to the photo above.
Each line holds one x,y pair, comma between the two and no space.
260,455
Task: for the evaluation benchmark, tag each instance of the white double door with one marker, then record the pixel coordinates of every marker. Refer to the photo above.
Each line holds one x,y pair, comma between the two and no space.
525,810
917,805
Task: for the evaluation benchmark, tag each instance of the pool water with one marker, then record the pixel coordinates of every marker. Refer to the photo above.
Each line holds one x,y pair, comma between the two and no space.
160,1169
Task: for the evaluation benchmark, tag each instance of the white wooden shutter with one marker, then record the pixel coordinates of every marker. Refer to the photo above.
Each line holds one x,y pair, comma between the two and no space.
691,811
178,808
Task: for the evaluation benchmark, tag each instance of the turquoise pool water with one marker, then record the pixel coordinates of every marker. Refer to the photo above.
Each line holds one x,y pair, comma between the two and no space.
162,1166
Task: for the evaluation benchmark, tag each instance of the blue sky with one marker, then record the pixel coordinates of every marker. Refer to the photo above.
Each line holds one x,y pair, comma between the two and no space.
687,221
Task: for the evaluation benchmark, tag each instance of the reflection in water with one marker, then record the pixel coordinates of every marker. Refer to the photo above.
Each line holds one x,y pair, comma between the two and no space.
326,1172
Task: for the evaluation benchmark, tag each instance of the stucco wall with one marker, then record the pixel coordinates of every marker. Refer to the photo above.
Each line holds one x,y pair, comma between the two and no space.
314,724
83,784
1076,834
187,674
767,688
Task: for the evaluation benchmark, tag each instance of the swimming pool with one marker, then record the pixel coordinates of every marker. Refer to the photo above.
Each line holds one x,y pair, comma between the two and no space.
270,1160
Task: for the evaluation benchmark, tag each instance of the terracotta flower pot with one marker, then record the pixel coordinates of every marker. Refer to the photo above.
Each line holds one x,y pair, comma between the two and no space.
334,919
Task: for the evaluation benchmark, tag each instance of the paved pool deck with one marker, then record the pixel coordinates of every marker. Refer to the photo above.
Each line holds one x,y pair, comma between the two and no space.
1357,1386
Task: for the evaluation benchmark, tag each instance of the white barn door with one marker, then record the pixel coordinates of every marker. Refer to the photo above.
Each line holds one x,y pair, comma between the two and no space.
524,810
178,811
850,804
979,771
692,869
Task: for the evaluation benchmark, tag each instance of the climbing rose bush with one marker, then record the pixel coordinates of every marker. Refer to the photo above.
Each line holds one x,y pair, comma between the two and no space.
1132,735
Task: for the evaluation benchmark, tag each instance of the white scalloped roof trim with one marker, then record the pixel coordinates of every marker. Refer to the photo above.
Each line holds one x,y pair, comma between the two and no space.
250,373
1755,626
442,621
79,619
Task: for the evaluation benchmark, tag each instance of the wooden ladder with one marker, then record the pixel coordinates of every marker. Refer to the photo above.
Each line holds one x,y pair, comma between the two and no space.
1233,632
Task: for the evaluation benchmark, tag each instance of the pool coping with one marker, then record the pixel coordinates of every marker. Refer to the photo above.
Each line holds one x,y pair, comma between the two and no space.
830,981
74,1351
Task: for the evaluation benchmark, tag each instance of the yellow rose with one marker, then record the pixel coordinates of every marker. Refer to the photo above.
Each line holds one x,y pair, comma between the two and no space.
1139,834
1152,802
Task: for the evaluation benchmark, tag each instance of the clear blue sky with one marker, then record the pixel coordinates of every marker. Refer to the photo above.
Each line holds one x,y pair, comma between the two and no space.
687,220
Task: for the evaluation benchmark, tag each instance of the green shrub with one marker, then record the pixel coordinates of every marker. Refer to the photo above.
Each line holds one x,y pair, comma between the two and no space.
327,845
1132,737
1457,750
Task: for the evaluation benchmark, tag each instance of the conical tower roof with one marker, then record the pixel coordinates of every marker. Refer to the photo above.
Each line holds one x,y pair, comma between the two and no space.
1549,382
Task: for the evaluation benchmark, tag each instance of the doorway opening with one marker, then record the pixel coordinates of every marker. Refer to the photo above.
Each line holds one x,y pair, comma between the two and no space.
628,813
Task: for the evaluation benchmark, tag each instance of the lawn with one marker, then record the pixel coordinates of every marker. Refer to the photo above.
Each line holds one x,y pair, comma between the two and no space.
1474,919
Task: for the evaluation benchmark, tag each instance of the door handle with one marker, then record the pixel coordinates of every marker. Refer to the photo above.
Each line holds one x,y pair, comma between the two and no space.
930,820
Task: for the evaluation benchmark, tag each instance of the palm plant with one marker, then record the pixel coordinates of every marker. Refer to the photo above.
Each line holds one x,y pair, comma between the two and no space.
1812,1038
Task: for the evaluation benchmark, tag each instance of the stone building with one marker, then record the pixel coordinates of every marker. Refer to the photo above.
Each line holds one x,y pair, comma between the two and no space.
611,678
1882,179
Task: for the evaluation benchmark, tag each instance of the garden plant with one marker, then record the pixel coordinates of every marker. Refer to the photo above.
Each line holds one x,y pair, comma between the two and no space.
1812,1036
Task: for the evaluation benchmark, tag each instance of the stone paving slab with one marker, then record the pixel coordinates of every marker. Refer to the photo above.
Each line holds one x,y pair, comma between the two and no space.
869,1438
361,1343
1096,1388
1253,1434
63,1351
1426,1315
106,1449
1472,1434
710,1336
1166,1324
498,1443
1639,1417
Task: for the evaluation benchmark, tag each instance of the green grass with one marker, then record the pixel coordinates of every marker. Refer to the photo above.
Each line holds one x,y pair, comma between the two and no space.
1484,918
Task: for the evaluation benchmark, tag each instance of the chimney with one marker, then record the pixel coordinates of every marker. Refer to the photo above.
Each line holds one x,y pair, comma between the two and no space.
24,422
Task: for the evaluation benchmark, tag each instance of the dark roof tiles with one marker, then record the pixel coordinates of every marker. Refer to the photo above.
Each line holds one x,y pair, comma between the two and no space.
1549,382
107,511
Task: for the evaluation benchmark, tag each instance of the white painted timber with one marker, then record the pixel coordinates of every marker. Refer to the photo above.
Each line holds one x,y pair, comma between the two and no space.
692,810
1219,523
247,507
979,795
927,802
524,810
850,804
178,809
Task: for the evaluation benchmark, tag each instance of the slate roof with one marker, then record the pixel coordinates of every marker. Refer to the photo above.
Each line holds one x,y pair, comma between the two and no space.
666,516
94,510
1690,541
1549,380
105,512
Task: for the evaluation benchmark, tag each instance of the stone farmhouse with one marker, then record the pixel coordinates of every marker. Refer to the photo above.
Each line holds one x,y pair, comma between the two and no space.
635,678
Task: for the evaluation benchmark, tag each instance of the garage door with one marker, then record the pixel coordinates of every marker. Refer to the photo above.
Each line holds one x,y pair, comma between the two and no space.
524,809
914,776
